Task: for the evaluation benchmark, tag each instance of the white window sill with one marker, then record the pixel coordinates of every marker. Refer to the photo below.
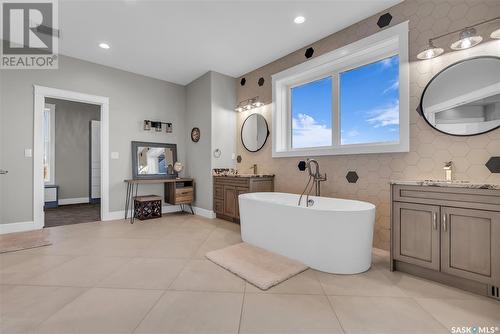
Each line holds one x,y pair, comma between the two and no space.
345,150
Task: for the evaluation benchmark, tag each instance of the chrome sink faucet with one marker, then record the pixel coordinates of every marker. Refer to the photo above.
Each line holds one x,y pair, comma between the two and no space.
316,177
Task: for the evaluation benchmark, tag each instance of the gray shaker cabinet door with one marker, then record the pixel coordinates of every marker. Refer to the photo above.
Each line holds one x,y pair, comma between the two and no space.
470,241
416,234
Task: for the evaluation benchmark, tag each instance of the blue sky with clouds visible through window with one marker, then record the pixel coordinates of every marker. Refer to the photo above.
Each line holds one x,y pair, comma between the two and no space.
369,104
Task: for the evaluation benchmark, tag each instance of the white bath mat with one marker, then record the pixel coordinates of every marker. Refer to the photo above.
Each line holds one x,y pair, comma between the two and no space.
256,265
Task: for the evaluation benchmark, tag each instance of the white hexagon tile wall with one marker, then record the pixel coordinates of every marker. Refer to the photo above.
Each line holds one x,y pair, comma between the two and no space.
428,148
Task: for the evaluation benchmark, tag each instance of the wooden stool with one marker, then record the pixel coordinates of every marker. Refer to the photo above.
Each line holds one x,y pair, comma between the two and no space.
147,207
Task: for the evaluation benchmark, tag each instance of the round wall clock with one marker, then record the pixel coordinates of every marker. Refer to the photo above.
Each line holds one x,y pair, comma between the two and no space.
195,135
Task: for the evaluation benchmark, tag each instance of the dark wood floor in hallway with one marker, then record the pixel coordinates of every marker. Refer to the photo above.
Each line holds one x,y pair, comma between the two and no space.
72,214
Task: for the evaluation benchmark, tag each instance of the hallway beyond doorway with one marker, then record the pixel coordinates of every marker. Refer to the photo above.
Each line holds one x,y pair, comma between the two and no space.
72,214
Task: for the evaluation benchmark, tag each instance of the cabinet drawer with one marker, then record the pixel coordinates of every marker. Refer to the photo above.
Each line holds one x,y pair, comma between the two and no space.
235,181
184,195
219,191
484,199
183,191
184,200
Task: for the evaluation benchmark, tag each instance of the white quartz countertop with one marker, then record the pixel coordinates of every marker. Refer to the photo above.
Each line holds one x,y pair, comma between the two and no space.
443,183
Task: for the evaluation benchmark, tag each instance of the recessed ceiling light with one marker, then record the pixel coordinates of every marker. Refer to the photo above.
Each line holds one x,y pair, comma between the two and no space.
299,19
104,46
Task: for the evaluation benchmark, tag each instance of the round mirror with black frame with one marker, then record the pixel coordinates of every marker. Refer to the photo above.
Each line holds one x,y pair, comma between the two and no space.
254,132
463,99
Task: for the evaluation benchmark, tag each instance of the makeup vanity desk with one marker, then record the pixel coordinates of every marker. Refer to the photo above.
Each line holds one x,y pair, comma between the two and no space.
176,192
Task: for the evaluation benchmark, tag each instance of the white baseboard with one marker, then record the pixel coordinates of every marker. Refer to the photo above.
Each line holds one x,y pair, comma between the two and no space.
18,227
201,212
120,214
68,201
116,215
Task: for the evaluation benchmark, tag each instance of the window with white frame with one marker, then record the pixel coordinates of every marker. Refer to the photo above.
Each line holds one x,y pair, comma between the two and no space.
49,143
353,100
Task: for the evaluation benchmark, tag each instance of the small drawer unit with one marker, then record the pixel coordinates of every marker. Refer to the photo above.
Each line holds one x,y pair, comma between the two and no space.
147,207
179,193
184,195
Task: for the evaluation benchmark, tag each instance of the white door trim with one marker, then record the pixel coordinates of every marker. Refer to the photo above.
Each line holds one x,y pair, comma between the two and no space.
95,161
52,134
40,93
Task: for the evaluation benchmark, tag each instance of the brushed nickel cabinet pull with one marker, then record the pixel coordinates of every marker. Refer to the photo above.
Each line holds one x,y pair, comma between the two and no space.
434,221
444,222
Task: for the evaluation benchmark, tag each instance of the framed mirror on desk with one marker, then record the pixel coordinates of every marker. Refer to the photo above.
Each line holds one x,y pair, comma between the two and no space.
153,163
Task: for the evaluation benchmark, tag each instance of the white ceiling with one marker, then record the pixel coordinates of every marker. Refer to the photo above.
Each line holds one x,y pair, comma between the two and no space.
178,41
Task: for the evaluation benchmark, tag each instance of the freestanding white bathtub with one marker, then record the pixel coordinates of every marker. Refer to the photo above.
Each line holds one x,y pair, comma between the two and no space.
333,235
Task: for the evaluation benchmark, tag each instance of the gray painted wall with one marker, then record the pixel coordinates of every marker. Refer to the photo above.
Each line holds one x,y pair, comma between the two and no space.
72,143
223,119
199,114
132,98
210,106
206,103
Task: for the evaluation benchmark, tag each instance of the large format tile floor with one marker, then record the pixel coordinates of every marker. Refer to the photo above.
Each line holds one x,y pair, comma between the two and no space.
152,277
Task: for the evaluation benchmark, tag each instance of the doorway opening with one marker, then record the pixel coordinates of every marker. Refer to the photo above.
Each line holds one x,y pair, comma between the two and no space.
71,162
70,151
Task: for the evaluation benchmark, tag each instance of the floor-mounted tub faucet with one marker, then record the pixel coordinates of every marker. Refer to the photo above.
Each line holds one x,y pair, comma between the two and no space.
316,177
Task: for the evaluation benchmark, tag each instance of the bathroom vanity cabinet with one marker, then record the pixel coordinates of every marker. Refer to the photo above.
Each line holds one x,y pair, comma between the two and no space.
228,188
448,233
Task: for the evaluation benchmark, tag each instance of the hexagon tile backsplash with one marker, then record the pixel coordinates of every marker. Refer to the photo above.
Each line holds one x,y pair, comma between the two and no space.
429,149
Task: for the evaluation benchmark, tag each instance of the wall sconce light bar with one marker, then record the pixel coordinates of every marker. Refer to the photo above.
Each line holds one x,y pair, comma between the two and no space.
248,104
468,38
157,125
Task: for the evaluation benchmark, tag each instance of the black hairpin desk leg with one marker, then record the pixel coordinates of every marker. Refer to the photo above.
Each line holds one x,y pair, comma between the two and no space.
183,208
127,199
132,202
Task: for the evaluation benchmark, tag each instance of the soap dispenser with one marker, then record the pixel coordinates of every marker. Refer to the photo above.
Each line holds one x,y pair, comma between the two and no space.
448,169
